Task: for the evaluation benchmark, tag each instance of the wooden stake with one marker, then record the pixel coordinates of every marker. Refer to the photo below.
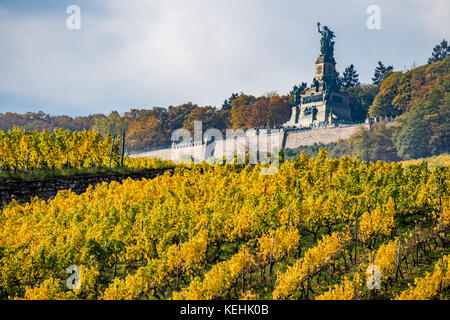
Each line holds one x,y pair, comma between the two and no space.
26,162
271,256
417,245
29,275
111,152
440,202
123,148
178,271
398,260
356,236
115,266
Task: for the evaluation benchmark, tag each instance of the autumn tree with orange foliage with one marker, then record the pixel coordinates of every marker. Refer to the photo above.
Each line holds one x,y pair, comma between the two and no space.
250,112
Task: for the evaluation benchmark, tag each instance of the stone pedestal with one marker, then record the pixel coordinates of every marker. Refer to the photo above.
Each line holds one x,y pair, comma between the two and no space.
322,102
325,67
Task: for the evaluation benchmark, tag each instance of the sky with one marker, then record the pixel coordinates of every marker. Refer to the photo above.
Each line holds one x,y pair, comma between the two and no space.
146,53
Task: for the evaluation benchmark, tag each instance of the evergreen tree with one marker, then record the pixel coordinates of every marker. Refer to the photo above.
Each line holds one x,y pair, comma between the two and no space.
361,98
227,103
413,140
440,51
296,91
381,72
350,77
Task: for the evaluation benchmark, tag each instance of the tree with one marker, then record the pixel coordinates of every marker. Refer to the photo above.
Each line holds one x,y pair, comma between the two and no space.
296,90
41,121
381,73
374,144
271,110
426,130
241,111
145,134
413,140
400,92
227,103
260,113
114,124
440,51
440,126
176,116
210,117
280,110
361,98
350,77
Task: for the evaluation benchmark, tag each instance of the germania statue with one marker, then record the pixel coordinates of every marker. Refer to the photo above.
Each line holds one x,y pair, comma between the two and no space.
326,43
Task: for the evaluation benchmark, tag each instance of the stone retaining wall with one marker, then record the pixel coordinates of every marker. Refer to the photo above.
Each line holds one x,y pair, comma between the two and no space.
24,191
289,140
318,136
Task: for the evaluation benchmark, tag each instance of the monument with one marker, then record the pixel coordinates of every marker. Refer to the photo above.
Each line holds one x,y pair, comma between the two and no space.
322,102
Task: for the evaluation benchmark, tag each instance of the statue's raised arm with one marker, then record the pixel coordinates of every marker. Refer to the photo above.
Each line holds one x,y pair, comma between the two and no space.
318,27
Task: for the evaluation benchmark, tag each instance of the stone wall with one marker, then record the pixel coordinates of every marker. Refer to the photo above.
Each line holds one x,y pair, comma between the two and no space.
324,136
24,191
263,143
163,154
218,149
243,145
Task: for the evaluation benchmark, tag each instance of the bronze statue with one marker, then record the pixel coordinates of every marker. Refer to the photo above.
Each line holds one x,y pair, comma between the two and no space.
316,84
326,43
298,92
297,99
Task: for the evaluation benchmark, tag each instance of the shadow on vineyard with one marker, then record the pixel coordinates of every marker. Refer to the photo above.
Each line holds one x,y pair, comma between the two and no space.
320,228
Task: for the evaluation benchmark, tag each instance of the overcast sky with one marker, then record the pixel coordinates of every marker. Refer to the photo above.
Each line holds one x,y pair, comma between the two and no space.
146,53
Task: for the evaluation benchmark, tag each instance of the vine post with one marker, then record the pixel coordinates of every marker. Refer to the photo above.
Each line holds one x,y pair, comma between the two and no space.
123,149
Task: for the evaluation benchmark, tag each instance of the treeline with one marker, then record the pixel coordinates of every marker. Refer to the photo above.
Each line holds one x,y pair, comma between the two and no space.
152,128
42,121
420,101
148,129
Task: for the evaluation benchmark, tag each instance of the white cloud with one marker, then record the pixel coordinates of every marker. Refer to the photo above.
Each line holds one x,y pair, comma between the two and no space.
436,16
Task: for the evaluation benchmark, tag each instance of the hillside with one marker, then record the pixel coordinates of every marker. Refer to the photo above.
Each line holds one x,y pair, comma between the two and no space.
403,91
420,102
442,160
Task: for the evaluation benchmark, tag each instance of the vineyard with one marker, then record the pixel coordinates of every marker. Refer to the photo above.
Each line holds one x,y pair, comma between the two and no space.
441,160
320,228
34,152
20,149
